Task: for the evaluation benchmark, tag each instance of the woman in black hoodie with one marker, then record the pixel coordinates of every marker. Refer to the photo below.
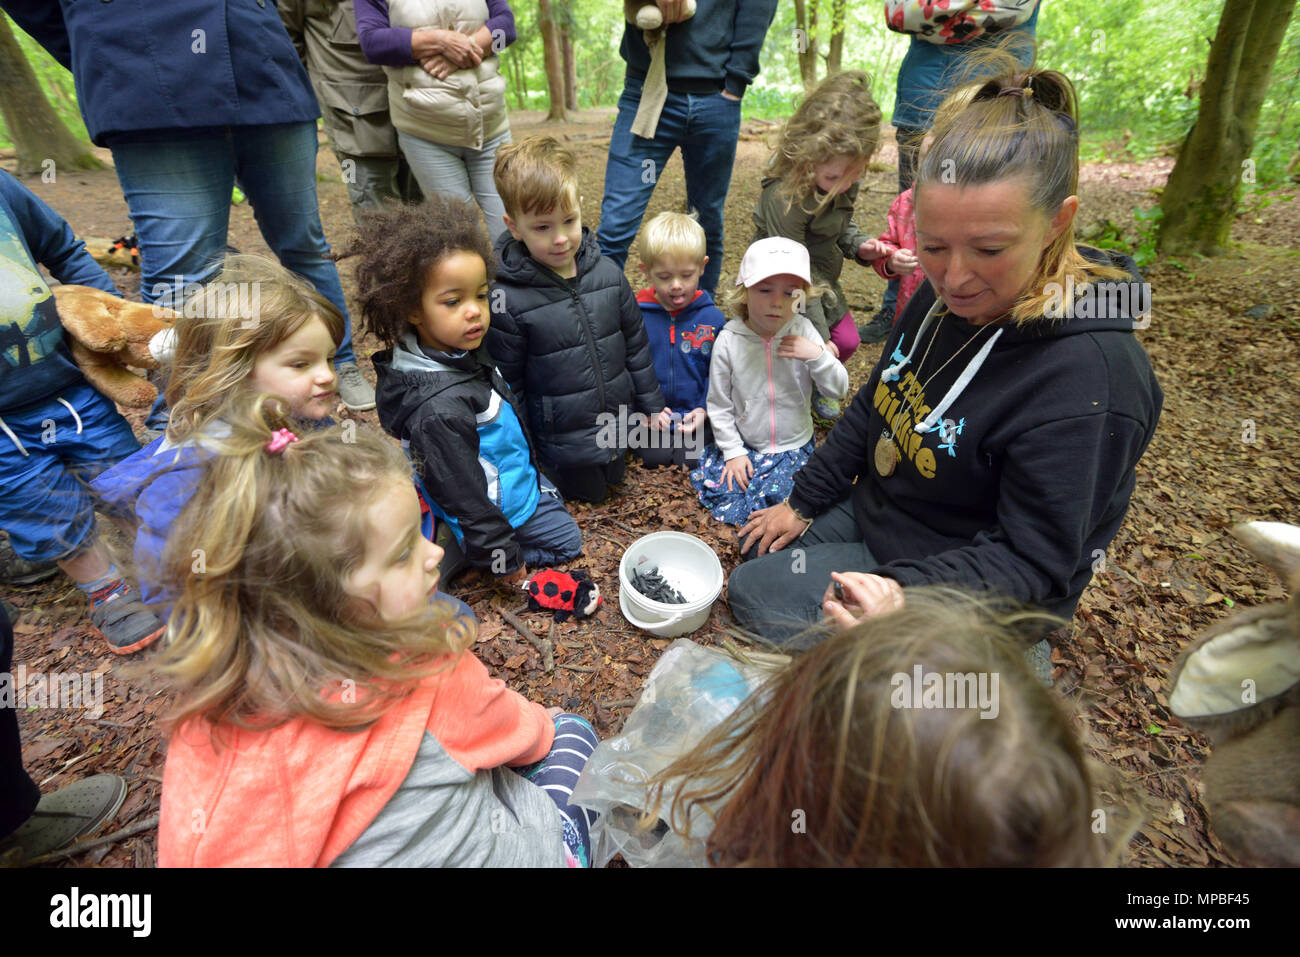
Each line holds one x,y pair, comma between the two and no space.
995,443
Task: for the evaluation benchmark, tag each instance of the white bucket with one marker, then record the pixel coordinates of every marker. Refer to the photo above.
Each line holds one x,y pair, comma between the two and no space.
688,564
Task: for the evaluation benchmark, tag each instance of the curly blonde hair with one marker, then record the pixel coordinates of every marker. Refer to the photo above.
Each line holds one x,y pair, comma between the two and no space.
838,118
263,631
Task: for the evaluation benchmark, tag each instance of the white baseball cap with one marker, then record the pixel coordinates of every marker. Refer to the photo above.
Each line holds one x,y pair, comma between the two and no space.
774,256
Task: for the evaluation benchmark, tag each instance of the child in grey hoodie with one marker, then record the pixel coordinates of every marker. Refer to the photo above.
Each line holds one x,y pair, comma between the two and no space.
760,383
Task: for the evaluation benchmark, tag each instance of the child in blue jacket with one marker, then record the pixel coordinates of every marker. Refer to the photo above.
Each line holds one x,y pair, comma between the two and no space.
423,287
682,322
56,430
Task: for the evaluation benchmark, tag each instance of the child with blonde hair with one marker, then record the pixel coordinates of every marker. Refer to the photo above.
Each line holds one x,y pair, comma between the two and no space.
765,364
257,328
328,711
914,739
808,195
682,323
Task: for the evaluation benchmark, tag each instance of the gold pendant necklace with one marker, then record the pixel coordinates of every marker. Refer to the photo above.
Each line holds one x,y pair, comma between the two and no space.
886,455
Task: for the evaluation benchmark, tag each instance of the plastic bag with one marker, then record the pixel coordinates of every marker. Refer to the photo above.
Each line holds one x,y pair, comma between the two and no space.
691,690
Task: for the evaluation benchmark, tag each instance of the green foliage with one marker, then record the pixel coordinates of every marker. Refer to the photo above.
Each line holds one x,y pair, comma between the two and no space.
54,80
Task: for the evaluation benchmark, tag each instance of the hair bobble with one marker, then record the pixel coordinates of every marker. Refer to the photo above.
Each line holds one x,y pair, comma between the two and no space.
1016,91
280,440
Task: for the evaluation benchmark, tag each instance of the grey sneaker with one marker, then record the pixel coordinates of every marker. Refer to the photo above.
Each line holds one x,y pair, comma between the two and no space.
357,394
63,816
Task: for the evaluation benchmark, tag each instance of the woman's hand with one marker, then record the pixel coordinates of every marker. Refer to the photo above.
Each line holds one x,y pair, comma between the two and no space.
438,66
797,347
865,596
903,262
772,528
738,470
457,48
833,349
662,420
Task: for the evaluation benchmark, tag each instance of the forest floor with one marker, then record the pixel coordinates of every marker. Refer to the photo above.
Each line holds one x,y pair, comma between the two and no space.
1224,341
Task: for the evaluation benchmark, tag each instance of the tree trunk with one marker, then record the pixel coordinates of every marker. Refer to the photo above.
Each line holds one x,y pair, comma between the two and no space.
805,40
553,59
835,54
570,70
42,142
1200,200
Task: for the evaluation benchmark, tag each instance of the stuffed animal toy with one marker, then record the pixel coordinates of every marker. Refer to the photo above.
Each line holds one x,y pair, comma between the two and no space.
107,335
654,92
564,594
1240,684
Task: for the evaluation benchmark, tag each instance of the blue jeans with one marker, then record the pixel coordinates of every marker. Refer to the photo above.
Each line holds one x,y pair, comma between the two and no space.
49,451
178,185
550,535
706,128
458,171
779,595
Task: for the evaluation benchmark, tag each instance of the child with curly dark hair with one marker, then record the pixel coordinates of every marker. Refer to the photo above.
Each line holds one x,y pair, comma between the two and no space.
423,287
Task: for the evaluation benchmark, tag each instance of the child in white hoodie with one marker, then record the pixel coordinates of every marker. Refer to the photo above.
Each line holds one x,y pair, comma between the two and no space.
760,384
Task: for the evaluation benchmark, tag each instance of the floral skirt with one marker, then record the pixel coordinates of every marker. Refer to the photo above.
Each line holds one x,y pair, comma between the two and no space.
770,484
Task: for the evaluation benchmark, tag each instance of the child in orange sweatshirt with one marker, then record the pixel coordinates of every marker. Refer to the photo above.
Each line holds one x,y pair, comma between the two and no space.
329,713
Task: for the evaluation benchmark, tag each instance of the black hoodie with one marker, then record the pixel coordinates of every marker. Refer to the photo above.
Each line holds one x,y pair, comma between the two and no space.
1024,488
571,349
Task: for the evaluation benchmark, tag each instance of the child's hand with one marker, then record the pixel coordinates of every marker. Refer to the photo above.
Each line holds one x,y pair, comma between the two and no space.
873,249
663,420
833,349
692,420
738,470
554,712
903,262
516,576
797,347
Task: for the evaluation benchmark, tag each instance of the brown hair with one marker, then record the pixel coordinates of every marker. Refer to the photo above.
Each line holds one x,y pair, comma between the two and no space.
251,306
398,245
836,742
262,631
536,176
838,118
1021,123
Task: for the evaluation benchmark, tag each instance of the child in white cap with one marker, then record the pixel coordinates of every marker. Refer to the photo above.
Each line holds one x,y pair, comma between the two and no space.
765,364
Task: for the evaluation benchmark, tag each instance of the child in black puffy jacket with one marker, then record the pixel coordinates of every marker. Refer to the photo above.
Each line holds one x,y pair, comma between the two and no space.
566,331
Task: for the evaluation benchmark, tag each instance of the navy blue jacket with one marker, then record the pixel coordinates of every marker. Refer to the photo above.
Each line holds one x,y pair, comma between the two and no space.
457,418
172,64
570,349
714,50
682,346
34,359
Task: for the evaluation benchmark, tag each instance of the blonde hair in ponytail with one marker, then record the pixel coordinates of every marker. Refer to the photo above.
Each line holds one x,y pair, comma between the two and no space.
1031,133
263,632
